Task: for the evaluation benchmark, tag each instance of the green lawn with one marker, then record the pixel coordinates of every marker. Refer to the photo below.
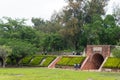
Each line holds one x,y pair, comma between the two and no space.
54,74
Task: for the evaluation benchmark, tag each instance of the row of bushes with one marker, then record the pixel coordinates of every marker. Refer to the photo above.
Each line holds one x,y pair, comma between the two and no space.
70,61
112,62
36,60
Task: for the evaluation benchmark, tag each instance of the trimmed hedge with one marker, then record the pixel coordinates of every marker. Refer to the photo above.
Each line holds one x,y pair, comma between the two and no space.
76,60
36,61
41,60
47,61
112,62
70,61
64,60
25,61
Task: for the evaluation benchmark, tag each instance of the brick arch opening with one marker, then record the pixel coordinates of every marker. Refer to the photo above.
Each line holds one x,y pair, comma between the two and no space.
1,62
97,60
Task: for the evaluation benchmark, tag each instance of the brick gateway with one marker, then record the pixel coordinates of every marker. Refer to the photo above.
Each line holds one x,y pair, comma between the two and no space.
95,56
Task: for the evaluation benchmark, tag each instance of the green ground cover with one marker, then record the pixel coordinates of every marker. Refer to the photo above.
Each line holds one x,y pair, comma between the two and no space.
54,74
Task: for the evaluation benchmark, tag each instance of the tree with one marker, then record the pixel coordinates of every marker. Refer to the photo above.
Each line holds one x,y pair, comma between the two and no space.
111,31
52,42
93,30
21,49
10,28
77,14
16,29
46,26
5,51
116,51
94,7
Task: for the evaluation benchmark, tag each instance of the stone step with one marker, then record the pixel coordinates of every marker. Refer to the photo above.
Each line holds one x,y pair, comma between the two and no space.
52,65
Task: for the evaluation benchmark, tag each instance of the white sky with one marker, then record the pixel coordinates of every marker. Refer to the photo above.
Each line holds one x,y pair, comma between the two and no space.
30,8
35,8
112,3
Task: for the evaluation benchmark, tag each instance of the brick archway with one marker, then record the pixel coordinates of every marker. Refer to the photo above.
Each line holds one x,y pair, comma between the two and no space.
97,59
96,54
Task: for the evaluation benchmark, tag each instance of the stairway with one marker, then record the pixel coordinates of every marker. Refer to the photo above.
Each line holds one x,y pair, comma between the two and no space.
52,65
103,64
84,63
87,64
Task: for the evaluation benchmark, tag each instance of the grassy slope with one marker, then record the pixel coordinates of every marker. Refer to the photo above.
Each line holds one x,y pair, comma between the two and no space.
53,74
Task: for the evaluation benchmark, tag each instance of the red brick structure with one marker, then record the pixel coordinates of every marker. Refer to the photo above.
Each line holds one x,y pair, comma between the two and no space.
96,54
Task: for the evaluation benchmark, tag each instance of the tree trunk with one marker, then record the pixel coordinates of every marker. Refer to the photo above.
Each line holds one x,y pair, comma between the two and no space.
4,62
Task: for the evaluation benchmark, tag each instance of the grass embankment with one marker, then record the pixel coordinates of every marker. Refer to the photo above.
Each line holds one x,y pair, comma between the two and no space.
54,74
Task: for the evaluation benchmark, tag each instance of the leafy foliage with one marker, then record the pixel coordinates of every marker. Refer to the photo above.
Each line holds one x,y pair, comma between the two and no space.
21,49
36,61
70,61
26,60
48,60
112,62
116,52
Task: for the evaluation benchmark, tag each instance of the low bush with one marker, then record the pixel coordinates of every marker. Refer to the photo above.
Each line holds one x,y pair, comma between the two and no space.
48,60
70,61
36,61
25,61
64,60
76,60
112,62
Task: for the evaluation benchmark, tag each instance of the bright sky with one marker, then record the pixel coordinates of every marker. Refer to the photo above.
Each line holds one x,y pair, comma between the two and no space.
112,3
34,8
30,8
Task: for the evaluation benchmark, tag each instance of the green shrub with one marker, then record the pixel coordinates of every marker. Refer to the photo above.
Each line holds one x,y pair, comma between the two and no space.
76,60
70,61
64,60
112,62
36,61
26,60
48,60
